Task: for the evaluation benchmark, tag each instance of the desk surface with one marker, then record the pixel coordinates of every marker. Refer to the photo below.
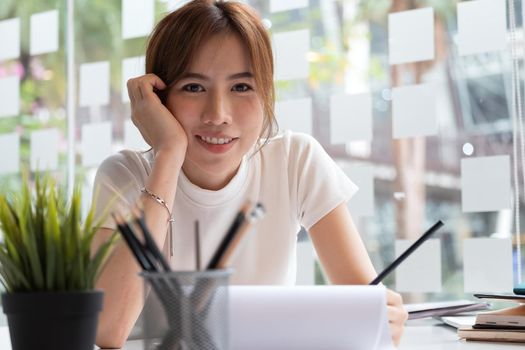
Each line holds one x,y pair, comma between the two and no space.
419,335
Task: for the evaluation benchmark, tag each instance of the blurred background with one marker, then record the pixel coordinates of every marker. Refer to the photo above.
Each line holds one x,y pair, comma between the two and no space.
420,102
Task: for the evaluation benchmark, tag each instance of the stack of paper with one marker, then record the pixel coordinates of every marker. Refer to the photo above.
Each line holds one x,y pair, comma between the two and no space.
500,325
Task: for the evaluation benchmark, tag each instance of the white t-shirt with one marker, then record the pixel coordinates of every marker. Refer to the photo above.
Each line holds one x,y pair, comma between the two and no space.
292,176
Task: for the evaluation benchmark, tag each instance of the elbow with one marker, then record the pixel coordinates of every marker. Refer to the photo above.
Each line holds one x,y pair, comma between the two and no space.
111,337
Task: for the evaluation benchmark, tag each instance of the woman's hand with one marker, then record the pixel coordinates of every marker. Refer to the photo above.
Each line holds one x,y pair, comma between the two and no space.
397,315
156,123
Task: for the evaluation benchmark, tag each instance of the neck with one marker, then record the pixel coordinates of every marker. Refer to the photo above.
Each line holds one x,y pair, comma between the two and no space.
205,179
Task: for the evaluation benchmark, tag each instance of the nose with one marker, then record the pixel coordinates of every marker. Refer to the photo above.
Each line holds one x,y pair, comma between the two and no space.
217,110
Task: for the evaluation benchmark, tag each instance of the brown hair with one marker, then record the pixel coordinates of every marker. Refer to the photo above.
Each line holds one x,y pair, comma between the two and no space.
178,36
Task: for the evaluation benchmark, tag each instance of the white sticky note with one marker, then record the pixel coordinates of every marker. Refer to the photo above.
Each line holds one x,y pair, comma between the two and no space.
350,118
94,84
9,96
421,271
44,32
482,26
414,111
131,67
132,137
487,265
96,143
281,5
485,183
137,18
11,159
10,39
290,54
44,149
362,203
411,36
295,115
305,264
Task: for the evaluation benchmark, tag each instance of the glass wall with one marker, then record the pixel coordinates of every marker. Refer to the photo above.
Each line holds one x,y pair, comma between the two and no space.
414,99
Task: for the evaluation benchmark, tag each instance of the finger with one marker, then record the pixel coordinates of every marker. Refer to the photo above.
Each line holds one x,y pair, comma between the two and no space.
397,314
393,298
131,87
149,85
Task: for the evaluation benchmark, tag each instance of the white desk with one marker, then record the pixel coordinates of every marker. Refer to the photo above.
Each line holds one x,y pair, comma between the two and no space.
419,335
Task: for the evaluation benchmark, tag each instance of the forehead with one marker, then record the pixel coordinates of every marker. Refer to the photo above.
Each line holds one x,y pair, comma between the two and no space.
221,53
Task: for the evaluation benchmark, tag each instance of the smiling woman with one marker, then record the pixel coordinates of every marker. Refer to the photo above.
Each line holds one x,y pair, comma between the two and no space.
205,107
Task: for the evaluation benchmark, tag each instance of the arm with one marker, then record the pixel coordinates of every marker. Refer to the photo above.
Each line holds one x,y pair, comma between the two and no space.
345,261
123,298
123,288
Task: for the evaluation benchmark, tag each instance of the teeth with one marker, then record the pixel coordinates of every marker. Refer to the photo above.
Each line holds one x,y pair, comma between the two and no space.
216,141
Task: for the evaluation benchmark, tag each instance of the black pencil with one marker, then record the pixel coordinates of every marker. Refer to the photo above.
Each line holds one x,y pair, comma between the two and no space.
407,252
237,222
133,243
148,239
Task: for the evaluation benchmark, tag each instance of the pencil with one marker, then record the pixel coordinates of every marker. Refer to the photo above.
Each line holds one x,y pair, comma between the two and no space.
407,252
197,246
133,243
138,215
249,219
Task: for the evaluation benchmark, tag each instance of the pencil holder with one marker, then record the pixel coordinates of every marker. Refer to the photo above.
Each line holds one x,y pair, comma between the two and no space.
194,308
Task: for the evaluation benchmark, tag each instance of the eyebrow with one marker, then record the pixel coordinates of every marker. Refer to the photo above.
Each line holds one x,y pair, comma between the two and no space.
204,77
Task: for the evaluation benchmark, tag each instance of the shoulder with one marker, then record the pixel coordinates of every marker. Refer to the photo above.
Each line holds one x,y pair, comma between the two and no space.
292,143
126,161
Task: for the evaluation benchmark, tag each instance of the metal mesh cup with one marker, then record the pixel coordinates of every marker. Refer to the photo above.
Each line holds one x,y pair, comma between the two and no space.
195,310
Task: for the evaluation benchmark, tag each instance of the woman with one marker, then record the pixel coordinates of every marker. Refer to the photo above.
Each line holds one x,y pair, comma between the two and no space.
205,107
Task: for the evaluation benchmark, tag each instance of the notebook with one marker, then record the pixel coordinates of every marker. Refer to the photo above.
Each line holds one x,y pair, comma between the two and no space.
442,308
505,335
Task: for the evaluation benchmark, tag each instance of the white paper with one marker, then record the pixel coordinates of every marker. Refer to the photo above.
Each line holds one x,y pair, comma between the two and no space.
414,111
485,183
285,5
411,36
10,143
362,203
305,264
94,84
137,18
132,137
9,96
131,67
350,118
482,26
290,54
44,149
96,143
487,265
308,317
10,39
421,271
44,32
295,115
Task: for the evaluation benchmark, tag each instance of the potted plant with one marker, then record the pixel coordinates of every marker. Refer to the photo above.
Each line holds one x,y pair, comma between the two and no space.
47,268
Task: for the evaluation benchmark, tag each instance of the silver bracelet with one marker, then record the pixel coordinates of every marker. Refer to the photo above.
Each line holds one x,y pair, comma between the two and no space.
158,200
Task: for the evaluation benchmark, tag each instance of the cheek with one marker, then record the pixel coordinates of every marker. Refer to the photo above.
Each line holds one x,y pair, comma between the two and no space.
182,109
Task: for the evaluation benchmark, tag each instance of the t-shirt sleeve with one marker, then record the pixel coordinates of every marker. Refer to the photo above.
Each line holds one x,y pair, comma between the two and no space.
321,184
117,186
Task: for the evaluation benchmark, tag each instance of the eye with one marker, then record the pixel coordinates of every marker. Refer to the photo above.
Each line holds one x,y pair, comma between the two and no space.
192,88
241,87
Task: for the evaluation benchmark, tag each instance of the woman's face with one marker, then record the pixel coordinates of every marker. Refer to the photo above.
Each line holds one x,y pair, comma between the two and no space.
217,104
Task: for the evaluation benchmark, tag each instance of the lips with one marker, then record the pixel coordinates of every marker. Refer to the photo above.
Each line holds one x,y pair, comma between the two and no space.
216,140
217,143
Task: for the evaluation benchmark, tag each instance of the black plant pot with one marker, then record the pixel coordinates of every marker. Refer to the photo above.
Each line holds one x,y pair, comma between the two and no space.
53,320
